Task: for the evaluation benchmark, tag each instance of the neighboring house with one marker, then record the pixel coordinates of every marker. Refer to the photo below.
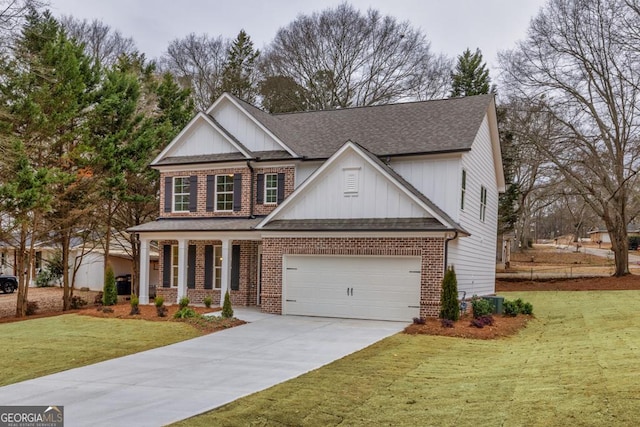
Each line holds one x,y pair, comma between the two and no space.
601,234
345,213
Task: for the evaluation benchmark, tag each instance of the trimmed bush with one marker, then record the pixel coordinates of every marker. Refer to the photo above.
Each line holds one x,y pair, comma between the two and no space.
480,307
527,308
77,302
110,292
184,302
227,311
450,309
207,302
511,308
159,301
185,313
161,310
135,309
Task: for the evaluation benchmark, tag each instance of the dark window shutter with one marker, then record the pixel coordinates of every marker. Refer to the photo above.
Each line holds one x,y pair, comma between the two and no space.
166,266
208,267
237,192
280,188
211,190
235,268
168,191
260,189
193,193
191,267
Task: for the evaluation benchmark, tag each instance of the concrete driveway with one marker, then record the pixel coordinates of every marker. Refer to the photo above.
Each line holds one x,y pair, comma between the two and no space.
171,383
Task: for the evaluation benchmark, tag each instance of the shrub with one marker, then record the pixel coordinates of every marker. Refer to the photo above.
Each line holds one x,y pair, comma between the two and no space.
486,320
110,292
481,307
77,302
161,310
527,308
227,311
135,309
184,302
446,323
419,320
477,323
98,299
207,301
449,298
511,308
185,313
44,279
159,301
32,307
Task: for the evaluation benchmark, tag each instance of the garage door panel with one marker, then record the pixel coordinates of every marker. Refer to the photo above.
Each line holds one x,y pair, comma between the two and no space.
368,287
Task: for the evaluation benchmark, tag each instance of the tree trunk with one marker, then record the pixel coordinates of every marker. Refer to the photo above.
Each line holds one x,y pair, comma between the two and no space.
107,238
135,255
66,294
23,285
620,247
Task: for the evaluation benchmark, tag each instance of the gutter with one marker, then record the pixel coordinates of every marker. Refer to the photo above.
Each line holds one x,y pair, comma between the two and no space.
446,248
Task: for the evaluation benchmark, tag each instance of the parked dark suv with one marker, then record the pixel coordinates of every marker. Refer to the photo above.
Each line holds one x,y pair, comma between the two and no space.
8,284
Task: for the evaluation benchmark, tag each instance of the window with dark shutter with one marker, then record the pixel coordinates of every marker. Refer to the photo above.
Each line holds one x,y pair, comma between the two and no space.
208,267
168,186
191,267
235,267
211,189
260,189
280,188
193,193
166,265
237,192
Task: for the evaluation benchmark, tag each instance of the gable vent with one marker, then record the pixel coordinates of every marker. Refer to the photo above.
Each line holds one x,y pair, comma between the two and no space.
351,181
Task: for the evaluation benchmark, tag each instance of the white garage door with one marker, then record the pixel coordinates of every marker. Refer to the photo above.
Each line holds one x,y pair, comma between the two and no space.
361,287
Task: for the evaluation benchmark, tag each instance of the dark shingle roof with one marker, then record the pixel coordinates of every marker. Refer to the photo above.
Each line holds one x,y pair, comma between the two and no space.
360,224
407,128
197,224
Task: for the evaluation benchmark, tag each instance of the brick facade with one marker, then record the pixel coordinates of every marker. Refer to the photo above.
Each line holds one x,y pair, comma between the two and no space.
431,250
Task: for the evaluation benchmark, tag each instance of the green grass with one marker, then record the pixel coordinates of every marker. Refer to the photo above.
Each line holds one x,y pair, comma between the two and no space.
37,347
577,364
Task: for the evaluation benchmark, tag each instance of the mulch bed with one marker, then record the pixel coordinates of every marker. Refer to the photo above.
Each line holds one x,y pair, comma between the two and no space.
503,326
625,283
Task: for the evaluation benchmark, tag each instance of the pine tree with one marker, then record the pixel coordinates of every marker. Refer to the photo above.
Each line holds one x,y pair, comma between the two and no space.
471,76
450,308
227,311
110,291
238,74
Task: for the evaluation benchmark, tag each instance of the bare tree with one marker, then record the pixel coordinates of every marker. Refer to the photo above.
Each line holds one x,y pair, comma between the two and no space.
578,67
101,42
345,58
198,63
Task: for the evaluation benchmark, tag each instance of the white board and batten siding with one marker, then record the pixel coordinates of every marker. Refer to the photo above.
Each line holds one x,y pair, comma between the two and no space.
359,287
375,196
202,139
474,257
244,128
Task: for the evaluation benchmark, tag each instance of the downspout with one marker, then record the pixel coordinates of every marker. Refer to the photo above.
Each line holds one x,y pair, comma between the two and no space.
251,190
446,248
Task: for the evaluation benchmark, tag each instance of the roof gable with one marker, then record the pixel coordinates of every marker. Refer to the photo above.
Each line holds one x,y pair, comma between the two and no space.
202,136
330,193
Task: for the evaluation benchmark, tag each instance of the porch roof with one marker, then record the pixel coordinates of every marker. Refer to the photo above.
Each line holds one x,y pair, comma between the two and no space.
359,224
197,224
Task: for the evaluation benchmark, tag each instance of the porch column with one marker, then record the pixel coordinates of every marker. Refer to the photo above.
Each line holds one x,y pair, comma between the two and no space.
182,268
144,272
225,273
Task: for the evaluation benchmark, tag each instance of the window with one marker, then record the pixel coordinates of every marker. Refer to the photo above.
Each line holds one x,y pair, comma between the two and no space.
181,194
271,188
483,203
463,188
217,267
174,266
224,192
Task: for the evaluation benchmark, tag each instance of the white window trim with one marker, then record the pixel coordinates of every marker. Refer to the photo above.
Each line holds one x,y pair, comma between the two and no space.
175,193
217,269
275,202
463,188
483,203
174,267
215,194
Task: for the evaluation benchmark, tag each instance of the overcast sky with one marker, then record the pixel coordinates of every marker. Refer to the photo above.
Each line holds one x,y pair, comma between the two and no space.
450,25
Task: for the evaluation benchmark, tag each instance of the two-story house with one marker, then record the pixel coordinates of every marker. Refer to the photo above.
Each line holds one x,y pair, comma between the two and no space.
347,213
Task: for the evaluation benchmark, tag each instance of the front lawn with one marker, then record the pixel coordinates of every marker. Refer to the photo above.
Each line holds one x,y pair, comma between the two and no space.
578,363
37,347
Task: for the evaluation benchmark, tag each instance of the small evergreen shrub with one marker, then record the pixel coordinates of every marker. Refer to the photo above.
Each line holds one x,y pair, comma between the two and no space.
184,302
77,302
480,307
447,323
511,308
185,313
486,320
227,311
32,307
159,301
110,292
161,310
419,320
527,308
135,308
450,308
207,301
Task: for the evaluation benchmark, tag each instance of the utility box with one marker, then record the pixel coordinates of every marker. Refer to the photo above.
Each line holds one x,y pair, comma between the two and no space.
496,302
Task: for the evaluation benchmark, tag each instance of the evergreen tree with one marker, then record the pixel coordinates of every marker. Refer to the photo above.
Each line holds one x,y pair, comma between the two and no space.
450,308
110,291
238,74
471,76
